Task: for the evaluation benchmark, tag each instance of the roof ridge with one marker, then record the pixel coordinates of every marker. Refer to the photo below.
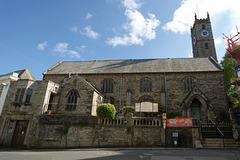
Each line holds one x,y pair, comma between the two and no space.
136,59
52,67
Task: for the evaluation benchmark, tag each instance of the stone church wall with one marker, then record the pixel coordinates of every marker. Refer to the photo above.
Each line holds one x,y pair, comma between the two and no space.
211,84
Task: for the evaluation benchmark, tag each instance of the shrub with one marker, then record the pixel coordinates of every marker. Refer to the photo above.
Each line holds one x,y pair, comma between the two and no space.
173,114
106,110
128,109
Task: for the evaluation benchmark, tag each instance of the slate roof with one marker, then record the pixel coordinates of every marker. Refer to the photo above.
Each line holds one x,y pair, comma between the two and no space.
9,74
207,64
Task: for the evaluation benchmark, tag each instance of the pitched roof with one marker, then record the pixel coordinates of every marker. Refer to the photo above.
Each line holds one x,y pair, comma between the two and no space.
135,66
22,74
19,72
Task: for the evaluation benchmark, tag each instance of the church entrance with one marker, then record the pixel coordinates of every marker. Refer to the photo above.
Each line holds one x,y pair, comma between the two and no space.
195,109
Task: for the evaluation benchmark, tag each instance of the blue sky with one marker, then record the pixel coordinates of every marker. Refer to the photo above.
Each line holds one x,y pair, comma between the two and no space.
38,34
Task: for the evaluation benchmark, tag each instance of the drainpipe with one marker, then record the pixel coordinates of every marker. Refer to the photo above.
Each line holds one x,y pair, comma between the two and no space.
120,97
165,92
166,108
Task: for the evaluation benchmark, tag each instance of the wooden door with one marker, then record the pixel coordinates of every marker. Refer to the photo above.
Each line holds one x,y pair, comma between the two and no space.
195,109
19,134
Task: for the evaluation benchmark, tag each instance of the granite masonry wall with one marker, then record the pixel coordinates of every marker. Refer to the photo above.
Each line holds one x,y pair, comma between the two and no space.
211,84
58,131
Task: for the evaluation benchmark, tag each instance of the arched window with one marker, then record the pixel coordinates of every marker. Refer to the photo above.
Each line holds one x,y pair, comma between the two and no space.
145,98
188,83
72,98
203,26
145,85
107,85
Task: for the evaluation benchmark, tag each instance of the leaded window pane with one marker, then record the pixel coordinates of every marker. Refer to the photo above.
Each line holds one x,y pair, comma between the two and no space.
145,85
72,100
107,86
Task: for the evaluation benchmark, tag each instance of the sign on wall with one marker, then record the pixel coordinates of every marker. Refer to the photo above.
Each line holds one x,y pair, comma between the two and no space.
146,107
238,70
179,122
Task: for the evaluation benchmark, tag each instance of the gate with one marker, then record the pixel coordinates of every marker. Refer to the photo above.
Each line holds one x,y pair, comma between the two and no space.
19,134
216,131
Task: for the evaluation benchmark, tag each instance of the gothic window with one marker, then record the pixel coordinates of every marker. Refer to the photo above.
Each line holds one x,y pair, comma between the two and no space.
206,46
29,95
72,98
145,98
188,84
203,26
107,86
145,85
19,95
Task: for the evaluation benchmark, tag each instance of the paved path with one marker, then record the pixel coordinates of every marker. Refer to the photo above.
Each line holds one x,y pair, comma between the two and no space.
120,154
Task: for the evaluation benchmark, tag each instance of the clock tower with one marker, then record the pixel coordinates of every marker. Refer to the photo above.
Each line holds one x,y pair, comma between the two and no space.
202,38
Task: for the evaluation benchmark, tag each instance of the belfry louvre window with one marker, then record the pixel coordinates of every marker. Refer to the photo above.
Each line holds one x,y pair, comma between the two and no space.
19,95
107,86
72,98
188,84
206,46
145,85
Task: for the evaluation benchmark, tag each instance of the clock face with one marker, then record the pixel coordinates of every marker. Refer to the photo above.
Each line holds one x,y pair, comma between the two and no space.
204,33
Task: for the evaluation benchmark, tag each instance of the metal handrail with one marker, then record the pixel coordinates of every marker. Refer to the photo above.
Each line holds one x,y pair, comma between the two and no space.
216,126
217,129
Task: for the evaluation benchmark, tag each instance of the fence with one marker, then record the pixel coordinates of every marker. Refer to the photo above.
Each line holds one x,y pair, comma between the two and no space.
132,121
216,131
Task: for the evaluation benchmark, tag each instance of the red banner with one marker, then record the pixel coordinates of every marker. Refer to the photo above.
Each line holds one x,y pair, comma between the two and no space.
179,122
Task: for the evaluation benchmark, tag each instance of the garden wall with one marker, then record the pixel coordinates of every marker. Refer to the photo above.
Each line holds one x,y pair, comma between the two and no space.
55,131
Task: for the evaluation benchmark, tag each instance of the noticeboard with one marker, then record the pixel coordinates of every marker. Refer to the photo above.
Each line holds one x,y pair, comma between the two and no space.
146,107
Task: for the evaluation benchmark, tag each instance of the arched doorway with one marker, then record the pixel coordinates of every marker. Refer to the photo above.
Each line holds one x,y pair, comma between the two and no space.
195,109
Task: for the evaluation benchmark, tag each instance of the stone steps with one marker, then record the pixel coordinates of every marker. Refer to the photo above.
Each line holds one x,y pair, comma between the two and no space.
219,143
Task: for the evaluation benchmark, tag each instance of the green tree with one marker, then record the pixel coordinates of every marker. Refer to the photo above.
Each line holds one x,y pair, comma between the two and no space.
229,67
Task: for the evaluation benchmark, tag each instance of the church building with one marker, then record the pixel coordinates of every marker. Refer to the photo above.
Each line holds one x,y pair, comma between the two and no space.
193,87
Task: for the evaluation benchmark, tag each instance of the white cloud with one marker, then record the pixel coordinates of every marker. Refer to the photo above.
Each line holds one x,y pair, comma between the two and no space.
62,48
218,41
74,28
131,4
184,16
73,54
88,16
139,27
42,46
90,33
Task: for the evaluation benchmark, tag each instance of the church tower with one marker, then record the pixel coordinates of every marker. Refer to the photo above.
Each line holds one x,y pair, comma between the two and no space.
202,38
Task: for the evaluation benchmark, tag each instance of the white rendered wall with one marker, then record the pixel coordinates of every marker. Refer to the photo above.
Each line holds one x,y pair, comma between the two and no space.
6,80
4,93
